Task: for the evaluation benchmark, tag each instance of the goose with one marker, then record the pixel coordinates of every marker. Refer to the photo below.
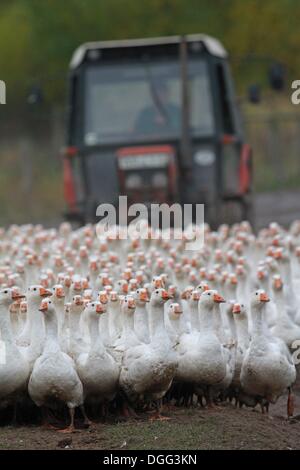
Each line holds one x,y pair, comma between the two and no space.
97,369
104,319
36,324
114,321
14,369
284,327
77,344
54,377
58,298
148,370
174,312
128,338
268,369
141,324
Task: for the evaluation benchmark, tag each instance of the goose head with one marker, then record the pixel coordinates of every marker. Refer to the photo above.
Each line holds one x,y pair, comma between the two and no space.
141,296
8,296
94,309
47,307
122,286
174,311
77,304
194,298
128,305
239,310
209,298
159,297
277,283
36,292
58,293
259,299
103,297
186,293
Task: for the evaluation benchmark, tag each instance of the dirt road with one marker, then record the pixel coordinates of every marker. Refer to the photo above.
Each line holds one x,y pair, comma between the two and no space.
225,427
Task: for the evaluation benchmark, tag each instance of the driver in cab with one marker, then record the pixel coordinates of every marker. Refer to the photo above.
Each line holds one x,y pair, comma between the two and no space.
161,116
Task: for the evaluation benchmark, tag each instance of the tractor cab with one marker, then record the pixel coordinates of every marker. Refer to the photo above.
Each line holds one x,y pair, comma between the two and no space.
156,120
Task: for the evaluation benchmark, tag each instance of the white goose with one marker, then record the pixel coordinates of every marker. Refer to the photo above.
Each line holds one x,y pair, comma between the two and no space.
268,369
141,322
148,370
97,369
14,369
54,377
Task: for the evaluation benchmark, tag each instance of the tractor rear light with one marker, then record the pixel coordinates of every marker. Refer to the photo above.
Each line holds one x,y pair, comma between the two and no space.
228,139
68,181
70,151
160,180
133,181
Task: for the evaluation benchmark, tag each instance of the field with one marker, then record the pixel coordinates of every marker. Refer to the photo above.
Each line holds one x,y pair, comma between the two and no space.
224,427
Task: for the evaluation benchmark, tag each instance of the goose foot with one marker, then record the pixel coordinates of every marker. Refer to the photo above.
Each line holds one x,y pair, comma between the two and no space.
67,430
87,422
45,420
71,427
158,417
127,412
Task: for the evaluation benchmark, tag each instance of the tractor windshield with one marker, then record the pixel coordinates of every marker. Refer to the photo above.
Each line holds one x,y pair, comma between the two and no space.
138,101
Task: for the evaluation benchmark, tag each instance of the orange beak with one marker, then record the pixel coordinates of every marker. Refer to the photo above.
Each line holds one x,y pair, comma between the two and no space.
79,301
264,298
60,293
125,288
165,295
103,298
45,292
278,284
218,299
196,296
277,254
113,296
17,296
144,297
158,283
100,308
131,304
177,309
236,308
43,307
77,285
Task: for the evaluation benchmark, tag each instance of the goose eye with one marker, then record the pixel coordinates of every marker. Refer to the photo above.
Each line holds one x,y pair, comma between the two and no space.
5,292
34,288
93,305
157,292
208,293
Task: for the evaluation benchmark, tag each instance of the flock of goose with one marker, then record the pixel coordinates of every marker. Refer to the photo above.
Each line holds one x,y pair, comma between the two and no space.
133,325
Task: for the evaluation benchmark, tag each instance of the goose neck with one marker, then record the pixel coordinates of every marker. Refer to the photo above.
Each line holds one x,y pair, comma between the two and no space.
5,325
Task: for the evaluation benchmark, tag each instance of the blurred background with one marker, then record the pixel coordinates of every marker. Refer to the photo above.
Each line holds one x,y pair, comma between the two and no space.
37,39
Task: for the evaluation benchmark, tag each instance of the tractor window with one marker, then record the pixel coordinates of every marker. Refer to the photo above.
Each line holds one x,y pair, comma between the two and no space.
225,101
131,102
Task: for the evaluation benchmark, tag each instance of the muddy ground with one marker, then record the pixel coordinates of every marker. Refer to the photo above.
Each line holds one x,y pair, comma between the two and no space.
225,427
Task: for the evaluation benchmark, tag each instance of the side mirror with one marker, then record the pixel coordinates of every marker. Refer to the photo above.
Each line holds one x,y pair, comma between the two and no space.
254,94
277,76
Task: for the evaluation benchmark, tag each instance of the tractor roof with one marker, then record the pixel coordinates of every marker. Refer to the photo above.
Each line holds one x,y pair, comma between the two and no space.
212,45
